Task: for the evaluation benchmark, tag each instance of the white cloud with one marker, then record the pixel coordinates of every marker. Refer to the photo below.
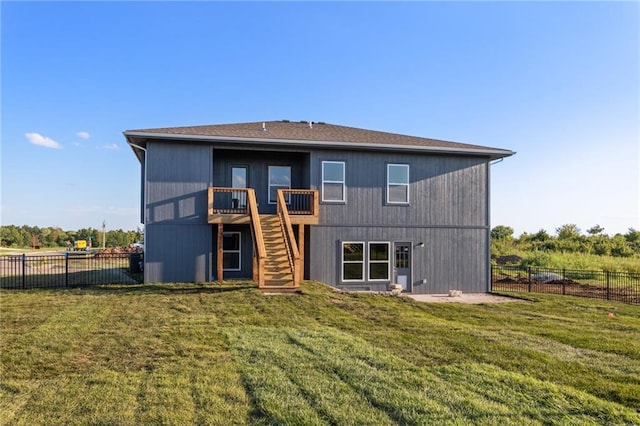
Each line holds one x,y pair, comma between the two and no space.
38,139
111,146
83,135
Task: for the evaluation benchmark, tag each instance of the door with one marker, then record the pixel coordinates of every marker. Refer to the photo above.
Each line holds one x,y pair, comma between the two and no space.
239,180
402,264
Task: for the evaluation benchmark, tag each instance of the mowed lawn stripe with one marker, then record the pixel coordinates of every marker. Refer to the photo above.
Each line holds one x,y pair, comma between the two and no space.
226,354
260,350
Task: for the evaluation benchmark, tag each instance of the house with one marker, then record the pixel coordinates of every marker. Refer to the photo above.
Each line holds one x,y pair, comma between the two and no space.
281,201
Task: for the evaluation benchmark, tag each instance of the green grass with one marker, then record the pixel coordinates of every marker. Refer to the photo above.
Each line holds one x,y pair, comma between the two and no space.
207,354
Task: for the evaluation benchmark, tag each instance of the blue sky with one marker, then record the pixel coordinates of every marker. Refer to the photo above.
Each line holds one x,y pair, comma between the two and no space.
558,82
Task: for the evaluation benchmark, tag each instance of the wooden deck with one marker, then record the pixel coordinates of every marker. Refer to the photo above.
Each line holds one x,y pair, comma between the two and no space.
278,256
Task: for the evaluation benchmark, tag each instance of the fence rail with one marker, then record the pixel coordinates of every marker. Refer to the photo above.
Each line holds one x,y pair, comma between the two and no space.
617,286
69,270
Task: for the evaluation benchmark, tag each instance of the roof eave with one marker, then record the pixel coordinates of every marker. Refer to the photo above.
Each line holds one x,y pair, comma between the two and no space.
492,153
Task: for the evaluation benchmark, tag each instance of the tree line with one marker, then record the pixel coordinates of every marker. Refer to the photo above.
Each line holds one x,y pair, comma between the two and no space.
568,239
34,236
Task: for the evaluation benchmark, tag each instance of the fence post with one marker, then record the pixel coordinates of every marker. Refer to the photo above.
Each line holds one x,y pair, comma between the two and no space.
24,270
608,289
564,281
490,278
66,269
529,277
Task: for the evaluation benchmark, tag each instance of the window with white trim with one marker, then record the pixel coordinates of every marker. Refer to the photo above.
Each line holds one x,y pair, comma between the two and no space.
231,251
352,261
333,181
397,183
279,178
379,261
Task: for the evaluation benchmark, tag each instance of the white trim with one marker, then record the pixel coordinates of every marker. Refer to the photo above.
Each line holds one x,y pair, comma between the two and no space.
239,251
369,261
342,261
276,186
343,181
399,184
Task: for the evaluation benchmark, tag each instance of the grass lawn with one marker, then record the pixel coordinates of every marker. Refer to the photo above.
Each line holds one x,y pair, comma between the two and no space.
204,354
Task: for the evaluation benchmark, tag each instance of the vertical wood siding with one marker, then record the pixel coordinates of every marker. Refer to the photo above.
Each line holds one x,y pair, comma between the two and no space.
177,235
177,253
451,259
177,180
443,190
448,211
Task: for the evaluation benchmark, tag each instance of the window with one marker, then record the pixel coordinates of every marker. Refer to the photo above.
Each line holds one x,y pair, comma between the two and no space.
352,261
333,181
231,250
379,261
279,178
397,183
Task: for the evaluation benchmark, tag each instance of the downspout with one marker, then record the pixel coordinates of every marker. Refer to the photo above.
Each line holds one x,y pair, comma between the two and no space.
144,188
488,230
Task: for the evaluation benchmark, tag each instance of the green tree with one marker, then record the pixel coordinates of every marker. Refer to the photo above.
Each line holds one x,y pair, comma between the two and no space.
595,230
633,238
568,232
502,232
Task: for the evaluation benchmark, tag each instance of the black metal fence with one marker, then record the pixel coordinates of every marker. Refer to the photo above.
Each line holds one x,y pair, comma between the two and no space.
69,270
617,286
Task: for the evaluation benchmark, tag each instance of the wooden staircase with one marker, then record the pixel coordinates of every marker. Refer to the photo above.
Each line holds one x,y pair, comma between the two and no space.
278,255
277,271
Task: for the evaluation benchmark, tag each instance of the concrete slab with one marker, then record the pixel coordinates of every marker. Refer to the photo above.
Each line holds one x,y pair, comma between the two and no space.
472,298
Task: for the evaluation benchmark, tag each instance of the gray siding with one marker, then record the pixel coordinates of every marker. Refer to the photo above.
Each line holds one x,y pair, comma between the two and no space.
451,259
178,176
448,211
178,240
177,253
443,190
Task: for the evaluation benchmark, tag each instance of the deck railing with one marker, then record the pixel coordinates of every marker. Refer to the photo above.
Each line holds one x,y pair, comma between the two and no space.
293,254
228,200
301,201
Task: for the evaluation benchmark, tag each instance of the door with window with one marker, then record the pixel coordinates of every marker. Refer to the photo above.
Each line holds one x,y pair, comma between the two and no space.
402,264
239,179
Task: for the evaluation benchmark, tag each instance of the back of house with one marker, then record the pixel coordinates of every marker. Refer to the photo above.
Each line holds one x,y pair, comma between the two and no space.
280,201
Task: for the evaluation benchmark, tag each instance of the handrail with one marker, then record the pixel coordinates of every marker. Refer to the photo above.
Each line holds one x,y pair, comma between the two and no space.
257,234
293,254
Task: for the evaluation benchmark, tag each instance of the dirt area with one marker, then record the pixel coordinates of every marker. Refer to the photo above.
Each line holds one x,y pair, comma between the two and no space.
472,298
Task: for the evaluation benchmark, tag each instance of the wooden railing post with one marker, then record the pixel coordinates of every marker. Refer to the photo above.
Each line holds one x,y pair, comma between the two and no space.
220,252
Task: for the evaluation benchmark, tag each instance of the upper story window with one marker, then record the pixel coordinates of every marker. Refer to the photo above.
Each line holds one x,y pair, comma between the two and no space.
279,178
397,183
333,188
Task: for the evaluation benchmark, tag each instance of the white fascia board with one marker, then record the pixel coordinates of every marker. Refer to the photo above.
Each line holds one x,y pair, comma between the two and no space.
493,153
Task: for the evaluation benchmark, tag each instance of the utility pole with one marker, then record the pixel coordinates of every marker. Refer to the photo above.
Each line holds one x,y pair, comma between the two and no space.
104,234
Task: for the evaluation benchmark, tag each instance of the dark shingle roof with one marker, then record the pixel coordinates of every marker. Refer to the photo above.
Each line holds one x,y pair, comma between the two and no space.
316,132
